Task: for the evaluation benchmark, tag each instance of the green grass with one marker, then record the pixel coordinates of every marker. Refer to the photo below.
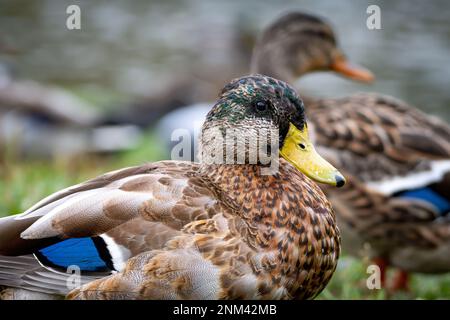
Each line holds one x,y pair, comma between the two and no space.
22,183
349,282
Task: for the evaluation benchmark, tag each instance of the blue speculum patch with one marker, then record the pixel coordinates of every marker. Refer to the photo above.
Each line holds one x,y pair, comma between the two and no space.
83,252
429,195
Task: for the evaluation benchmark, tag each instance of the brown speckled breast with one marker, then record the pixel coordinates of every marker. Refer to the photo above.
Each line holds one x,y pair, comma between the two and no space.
286,224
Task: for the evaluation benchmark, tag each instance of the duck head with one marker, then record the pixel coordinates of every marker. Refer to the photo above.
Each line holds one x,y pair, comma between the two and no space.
255,112
298,43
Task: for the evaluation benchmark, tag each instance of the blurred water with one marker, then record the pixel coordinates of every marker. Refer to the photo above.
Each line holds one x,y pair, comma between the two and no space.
135,48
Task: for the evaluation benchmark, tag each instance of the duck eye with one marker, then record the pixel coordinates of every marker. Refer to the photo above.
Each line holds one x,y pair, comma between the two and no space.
302,146
261,106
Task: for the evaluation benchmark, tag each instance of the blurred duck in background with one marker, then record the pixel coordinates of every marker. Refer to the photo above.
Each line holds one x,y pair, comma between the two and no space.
37,120
43,121
395,209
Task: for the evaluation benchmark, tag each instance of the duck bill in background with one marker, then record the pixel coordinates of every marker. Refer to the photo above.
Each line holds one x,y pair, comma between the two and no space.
342,66
298,150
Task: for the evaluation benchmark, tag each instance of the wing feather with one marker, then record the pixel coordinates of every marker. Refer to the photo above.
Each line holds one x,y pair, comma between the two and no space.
374,136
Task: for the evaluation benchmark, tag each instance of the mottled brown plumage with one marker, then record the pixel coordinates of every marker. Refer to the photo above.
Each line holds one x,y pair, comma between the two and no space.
387,148
248,236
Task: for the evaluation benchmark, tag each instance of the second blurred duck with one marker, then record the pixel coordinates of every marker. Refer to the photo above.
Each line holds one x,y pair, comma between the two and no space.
397,159
42,121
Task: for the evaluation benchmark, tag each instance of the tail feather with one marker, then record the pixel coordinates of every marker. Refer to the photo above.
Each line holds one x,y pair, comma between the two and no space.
25,272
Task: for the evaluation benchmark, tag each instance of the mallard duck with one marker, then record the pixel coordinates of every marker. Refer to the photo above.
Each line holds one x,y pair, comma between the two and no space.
183,230
397,159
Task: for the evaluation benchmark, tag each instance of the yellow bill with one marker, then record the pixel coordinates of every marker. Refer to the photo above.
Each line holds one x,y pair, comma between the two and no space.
298,150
